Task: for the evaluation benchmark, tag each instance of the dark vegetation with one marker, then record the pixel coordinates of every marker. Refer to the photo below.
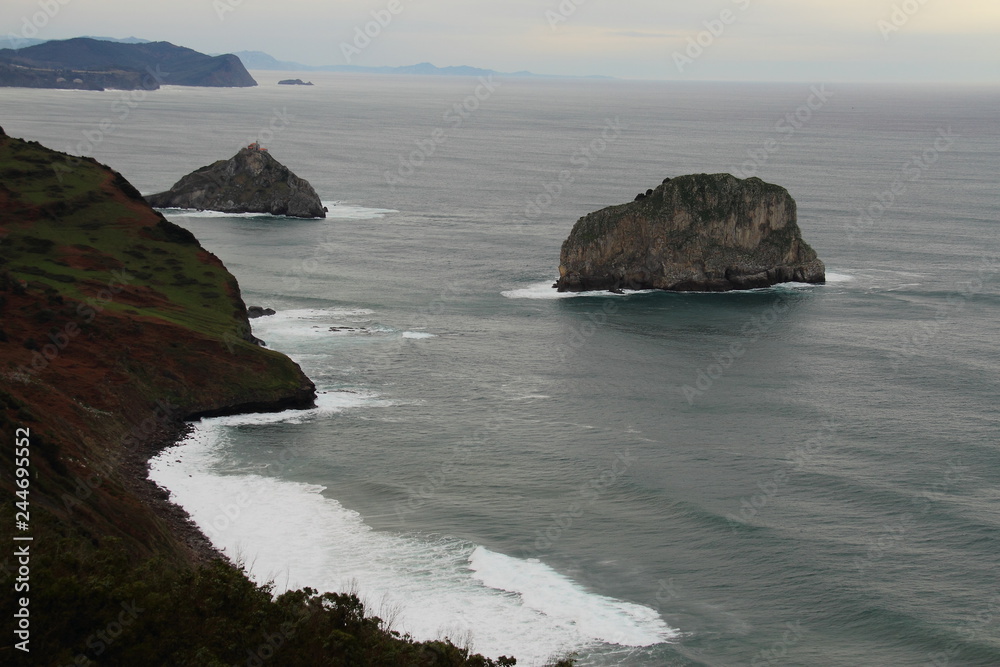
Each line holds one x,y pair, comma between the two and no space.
114,612
115,326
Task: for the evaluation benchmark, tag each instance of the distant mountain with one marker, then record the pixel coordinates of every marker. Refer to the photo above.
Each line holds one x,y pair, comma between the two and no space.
262,61
94,64
126,40
14,42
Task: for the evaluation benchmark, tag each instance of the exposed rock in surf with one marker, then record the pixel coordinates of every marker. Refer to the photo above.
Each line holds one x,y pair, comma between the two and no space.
253,312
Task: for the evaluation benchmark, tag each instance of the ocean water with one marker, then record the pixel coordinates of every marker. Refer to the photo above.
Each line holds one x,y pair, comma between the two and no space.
803,475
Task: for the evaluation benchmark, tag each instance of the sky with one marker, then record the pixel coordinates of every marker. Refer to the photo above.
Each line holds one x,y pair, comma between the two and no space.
712,40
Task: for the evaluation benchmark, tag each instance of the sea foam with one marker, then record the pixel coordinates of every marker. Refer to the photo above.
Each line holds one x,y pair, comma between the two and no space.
338,211
418,335
296,535
335,211
545,290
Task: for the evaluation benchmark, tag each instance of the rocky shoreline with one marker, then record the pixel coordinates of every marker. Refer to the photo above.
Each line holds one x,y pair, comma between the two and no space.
135,473
134,470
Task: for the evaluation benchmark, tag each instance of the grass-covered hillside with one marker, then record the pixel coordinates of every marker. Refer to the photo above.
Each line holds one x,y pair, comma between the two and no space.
115,326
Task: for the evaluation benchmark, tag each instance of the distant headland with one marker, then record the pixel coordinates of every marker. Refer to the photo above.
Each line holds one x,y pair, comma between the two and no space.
95,64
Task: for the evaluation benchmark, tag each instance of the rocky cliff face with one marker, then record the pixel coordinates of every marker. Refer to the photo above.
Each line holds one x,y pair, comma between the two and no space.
115,325
252,181
693,233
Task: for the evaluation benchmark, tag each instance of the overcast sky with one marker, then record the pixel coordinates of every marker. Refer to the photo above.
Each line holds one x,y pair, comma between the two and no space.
767,40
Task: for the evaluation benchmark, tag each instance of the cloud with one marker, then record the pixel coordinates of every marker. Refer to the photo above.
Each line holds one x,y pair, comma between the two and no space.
636,34
800,39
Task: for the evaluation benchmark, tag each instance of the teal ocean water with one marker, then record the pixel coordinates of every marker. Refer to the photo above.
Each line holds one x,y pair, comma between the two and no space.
803,475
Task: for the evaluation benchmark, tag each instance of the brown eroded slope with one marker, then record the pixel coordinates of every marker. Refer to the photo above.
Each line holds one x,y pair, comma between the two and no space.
115,325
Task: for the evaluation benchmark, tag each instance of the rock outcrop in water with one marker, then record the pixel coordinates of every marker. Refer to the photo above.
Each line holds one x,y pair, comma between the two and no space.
707,233
252,181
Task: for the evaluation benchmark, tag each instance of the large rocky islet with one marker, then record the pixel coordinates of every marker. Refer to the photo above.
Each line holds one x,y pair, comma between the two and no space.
703,232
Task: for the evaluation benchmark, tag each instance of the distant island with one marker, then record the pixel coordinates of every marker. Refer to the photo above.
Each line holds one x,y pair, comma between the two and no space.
251,181
15,42
94,64
259,60
294,82
698,233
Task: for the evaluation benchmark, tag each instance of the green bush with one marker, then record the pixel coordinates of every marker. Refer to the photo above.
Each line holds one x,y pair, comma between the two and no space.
100,608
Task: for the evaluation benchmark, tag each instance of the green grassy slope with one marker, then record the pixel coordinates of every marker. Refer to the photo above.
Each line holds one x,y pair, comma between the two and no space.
115,324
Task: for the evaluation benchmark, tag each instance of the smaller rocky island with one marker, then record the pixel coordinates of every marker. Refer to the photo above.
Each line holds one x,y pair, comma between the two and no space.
698,233
294,82
252,181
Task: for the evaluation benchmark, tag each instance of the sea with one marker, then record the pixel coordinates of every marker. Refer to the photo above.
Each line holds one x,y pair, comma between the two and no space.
799,475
